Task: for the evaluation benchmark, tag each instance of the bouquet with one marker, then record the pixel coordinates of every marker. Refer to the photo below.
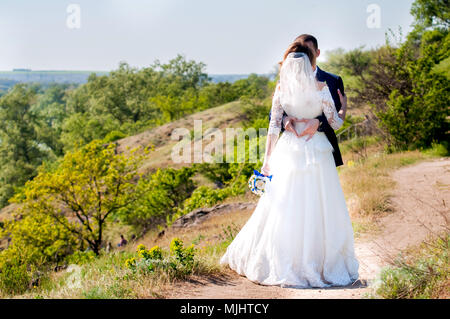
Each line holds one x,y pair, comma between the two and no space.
257,182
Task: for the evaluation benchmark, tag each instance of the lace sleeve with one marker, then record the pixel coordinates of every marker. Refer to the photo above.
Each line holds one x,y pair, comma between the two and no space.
329,109
276,113
274,129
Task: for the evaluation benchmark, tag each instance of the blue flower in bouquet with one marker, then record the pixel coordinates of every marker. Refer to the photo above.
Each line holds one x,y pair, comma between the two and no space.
257,182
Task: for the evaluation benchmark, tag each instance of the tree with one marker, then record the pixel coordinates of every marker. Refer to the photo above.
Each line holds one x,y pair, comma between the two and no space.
86,188
189,74
418,115
165,191
21,151
52,111
431,13
81,128
130,99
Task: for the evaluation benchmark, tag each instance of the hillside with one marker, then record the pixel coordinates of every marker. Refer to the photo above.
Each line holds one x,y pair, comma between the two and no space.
227,115
221,117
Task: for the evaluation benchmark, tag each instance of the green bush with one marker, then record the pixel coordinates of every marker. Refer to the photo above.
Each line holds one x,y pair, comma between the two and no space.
178,262
14,275
43,236
164,192
424,277
81,257
205,196
416,112
438,149
184,255
114,136
37,243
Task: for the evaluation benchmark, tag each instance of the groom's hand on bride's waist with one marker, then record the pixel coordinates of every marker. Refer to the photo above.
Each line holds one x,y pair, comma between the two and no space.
289,122
310,128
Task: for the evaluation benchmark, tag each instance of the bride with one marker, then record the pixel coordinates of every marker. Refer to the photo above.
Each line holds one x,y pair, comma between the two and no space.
300,233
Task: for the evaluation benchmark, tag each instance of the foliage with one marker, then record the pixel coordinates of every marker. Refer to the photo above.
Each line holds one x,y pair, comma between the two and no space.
235,183
218,173
353,67
162,193
20,153
417,116
14,275
113,136
184,255
51,111
405,85
176,105
254,86
46,121
431,13
177,263
438,150
130,99
205,196
80,257
44,239
423,277
87,187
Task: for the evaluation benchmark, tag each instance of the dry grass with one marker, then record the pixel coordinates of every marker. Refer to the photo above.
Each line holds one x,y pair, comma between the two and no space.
107,277
367,183
208,233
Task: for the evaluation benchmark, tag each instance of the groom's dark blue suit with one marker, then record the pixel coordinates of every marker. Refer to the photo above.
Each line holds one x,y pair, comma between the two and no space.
334,82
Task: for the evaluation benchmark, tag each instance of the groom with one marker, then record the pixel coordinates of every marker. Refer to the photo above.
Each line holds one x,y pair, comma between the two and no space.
336,87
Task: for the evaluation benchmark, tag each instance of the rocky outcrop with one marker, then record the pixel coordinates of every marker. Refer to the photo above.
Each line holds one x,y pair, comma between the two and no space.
200,214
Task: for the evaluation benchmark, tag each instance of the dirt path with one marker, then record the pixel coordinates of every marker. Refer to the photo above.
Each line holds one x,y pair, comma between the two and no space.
420,208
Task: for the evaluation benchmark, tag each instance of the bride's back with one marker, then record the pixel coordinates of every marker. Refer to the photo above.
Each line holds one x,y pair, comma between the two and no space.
307,107
299,92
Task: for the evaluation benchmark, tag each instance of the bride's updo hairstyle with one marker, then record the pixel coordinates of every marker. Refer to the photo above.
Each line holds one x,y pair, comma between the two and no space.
297,46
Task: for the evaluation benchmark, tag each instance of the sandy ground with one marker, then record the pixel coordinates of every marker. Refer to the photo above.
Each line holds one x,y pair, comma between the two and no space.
420,203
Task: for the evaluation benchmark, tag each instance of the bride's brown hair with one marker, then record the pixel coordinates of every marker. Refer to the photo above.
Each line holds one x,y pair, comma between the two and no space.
297,46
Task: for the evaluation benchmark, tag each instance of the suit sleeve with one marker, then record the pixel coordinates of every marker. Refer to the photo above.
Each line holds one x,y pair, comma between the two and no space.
340,86
322,119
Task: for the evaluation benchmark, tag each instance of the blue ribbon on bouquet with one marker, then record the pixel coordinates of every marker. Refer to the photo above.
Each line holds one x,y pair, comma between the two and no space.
262,175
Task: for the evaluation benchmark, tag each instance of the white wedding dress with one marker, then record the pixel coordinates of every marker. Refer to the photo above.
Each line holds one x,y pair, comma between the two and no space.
300,234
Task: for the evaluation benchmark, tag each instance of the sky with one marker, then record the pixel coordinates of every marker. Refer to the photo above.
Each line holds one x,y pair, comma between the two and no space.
230,37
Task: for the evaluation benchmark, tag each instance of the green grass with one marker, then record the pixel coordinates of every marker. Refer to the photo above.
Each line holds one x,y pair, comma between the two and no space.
437,150
424,274
107,277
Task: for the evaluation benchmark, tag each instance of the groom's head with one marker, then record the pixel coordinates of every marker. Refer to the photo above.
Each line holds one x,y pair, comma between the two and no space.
311,42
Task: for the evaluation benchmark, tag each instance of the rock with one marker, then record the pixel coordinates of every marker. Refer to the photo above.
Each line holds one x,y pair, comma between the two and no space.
200,214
